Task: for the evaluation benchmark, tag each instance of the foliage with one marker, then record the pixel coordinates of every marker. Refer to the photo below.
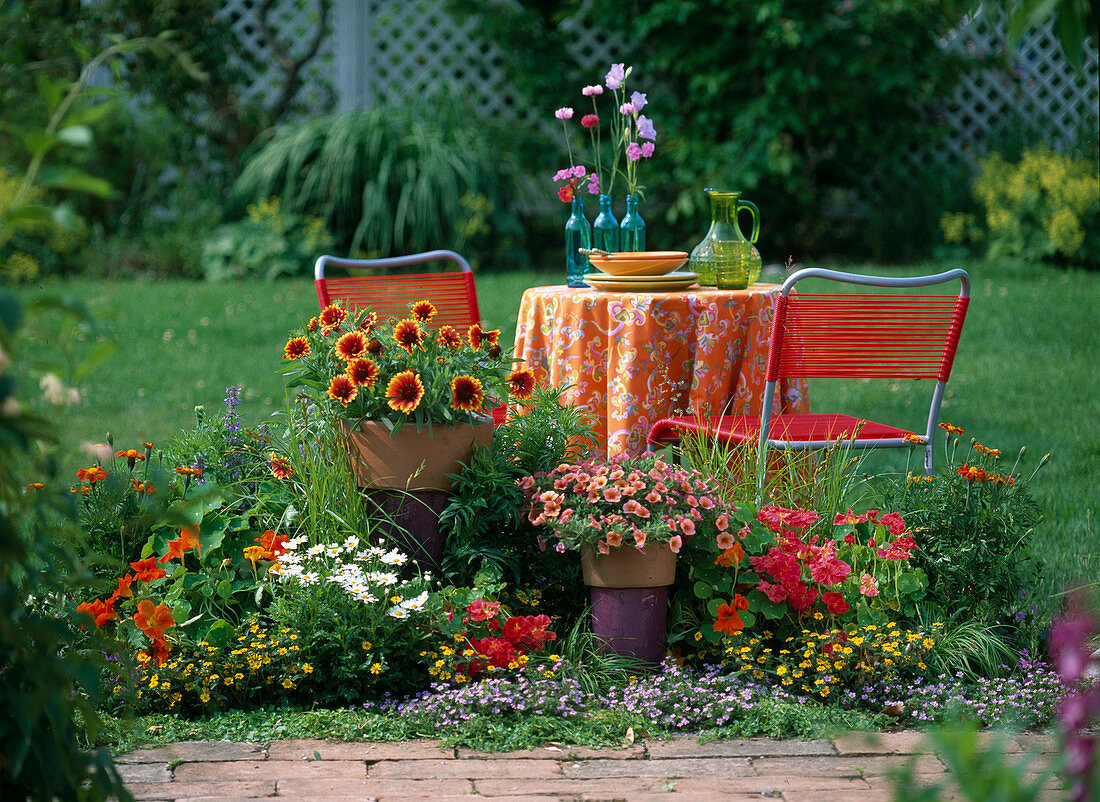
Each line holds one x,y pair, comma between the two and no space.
974,526
599,504
48,687
1075,22
401,372
267,243
394,180
1045,205
360,622
821,663
763,102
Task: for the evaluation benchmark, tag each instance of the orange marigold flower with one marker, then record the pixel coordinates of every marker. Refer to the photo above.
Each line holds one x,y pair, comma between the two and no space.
423,311
132,456
342,389
405,391
142,488
92,475
280,466
351,345
295,348
35,485
947,427
913,438
474,335
152,619
408,335
332,316
448,337
185,470
81,489
147,446
522,383
467,394
147,570
364,372
187,540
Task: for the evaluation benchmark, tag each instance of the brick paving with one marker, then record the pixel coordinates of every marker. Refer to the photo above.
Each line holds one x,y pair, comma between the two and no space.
855,766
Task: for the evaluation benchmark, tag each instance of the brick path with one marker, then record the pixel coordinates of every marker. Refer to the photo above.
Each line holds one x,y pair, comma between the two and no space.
851,767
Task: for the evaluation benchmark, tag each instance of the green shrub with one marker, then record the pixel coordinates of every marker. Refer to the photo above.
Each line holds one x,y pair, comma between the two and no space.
1045,205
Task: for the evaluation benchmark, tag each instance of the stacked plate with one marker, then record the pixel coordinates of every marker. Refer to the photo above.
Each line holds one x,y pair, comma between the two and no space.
638,263
669,282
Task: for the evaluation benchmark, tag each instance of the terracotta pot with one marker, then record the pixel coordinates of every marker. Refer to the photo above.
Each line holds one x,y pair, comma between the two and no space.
412,460
629,568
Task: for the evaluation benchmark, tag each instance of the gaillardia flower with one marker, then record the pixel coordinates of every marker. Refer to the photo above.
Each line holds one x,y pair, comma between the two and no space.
448,337
423,311
404,392
342,389
522,383
296,347
467,394
332,316
364,372
408,335
351,345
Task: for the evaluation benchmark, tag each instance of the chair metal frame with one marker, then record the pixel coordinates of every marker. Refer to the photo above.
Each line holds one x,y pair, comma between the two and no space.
452,292
835,321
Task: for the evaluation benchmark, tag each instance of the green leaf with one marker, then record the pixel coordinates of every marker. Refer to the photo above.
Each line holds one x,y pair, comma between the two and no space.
225,589
90,114
713,605
220,633
703,590
74,180
38,142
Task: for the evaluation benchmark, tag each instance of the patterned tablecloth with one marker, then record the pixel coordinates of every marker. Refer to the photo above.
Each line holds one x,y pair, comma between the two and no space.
632,358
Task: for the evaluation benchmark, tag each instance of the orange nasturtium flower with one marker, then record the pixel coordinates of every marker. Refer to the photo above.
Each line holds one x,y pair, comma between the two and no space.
467,394
254,553
364,372
342,389
296,347
408,335
152,619
147,570
272,544
731,557
405,391
123,590
729,621
101,611
522,383
351,345
423,311
187,540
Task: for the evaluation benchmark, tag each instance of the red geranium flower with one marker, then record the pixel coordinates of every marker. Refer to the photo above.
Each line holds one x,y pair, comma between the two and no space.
834,603
405,391
467,394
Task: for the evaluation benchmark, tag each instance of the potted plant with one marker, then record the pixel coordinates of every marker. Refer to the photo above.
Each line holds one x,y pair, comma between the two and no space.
411,400
629,518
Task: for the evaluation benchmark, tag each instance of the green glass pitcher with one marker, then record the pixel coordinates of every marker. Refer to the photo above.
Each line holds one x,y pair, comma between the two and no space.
725,258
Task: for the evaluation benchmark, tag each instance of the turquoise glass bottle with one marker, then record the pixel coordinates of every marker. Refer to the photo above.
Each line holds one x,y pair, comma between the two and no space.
578,234
632,228
605,228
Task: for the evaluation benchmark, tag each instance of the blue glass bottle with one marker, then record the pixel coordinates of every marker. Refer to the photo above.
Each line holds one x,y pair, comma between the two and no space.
578,234
605,229
632,228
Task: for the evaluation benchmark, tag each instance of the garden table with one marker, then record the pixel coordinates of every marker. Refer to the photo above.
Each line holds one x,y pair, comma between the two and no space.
631,358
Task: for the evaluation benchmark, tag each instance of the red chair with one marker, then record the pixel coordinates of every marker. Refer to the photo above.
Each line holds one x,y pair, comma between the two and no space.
892,335
390,293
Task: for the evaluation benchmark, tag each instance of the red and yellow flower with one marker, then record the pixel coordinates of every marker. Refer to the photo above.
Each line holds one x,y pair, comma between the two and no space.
342,389
351,345
296,347
364,372
467,394
423,311
522,383
405,391
331,317
408,335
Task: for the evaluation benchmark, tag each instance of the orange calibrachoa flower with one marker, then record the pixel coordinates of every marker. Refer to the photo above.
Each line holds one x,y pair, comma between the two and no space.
92,475
448,337
729,621
522,383
187,540
364,372
280,466
405,391
423,311
147,570
342,389
296,347
332,316
468,394
408,335
351,345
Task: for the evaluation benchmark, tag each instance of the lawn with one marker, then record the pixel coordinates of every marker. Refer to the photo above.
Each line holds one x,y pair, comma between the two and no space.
1025,372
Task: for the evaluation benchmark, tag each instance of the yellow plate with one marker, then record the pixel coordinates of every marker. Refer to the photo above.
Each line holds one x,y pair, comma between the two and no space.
639,263
668,283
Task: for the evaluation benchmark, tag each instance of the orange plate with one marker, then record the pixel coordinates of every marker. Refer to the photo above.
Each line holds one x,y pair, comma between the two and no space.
639,263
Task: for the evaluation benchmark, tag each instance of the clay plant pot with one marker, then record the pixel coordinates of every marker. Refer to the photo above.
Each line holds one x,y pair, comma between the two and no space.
628,591
405,477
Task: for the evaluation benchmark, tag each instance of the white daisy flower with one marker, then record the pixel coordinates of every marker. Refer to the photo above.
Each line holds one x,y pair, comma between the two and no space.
316,551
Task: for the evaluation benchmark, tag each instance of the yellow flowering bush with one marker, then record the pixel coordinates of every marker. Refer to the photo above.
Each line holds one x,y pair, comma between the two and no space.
820,663
261,665
1043,205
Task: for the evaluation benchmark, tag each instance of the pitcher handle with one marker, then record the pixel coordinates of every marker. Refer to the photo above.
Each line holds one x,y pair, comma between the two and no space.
744,204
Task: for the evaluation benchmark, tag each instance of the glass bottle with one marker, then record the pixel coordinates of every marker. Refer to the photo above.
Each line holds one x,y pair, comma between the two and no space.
632,228
578,234
605,229
724,257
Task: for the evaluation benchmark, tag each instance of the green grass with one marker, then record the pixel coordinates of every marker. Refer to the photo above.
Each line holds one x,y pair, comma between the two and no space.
1025,373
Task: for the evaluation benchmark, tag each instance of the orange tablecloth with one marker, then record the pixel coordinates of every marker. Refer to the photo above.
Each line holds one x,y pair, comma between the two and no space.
633,358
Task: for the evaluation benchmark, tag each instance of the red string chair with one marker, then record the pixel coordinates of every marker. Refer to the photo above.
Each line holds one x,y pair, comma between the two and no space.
389,293
891,335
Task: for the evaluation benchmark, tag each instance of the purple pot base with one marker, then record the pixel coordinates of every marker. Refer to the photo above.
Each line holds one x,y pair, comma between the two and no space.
631,621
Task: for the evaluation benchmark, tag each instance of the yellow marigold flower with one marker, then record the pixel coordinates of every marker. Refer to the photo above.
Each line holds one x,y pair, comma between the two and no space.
928,643
288,683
